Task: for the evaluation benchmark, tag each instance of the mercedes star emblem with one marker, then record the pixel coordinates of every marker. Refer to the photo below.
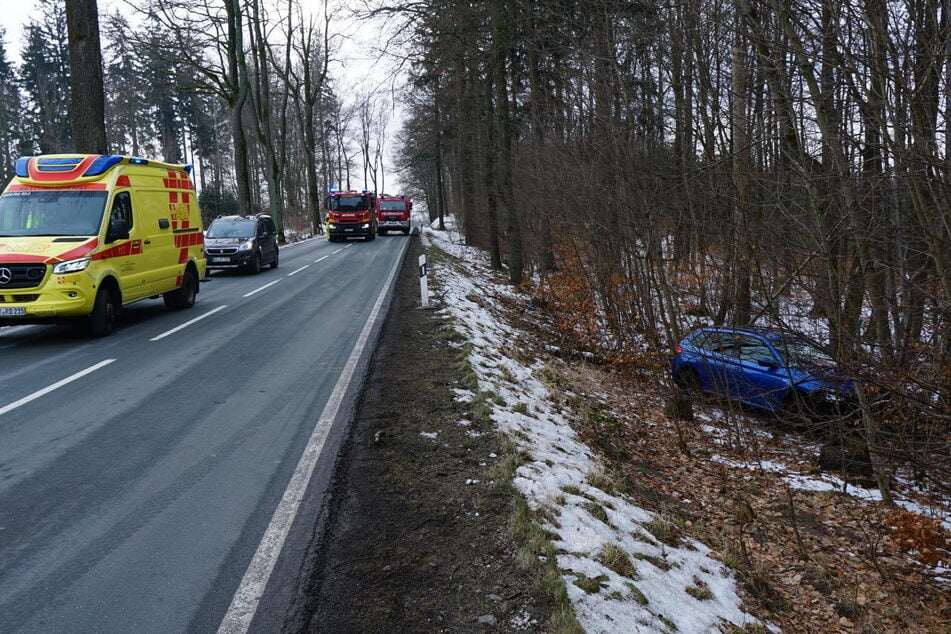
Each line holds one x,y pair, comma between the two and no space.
5,276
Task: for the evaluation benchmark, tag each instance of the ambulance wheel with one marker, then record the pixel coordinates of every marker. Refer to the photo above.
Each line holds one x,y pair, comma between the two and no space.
255,267
102,320
183,296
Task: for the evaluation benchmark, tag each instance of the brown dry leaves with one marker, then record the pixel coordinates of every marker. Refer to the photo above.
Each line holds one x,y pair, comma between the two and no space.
922,537
808,561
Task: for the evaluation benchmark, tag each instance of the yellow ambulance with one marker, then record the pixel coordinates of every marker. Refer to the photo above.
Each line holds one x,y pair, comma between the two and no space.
82,235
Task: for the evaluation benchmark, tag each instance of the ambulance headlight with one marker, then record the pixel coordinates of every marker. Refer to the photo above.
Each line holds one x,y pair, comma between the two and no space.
72,266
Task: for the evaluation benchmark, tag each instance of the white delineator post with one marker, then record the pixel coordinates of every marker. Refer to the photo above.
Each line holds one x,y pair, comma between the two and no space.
423,283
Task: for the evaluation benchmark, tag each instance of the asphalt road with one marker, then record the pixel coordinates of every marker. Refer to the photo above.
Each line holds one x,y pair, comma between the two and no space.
139,473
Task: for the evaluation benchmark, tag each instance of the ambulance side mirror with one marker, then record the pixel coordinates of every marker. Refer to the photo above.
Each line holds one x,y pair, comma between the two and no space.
118,230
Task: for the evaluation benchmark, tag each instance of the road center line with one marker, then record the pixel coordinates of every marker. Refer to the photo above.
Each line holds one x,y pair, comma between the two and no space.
54,386
261,288
337,251
294,272
321,259
187,324
248,595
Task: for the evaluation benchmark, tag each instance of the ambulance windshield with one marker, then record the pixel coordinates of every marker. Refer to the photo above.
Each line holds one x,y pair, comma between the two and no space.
51,212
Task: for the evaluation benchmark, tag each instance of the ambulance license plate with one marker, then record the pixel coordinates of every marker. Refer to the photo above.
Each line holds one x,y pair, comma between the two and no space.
12,312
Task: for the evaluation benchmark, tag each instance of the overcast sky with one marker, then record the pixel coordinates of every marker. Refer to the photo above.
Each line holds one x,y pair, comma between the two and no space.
12,19
356,70
356,59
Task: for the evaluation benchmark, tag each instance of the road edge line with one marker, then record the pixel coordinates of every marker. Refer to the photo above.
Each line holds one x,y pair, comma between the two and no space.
247,597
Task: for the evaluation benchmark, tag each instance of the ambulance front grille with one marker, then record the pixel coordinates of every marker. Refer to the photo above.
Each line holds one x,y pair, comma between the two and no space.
19,299
21,275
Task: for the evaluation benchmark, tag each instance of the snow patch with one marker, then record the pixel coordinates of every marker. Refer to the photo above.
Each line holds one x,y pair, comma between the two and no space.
653,596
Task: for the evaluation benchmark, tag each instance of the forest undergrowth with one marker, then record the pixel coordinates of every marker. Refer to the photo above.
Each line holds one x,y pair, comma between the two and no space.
814,545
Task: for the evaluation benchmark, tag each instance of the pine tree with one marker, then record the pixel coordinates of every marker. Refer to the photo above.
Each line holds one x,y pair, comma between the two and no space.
10,115
45,80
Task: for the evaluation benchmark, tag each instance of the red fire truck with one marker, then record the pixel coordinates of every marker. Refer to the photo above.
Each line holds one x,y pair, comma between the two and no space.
351,214
393,213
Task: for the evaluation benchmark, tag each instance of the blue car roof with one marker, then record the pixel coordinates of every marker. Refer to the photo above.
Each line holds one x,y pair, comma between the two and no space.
772,334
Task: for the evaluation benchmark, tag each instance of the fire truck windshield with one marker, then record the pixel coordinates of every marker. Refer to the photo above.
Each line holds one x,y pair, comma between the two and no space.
349,203
393,205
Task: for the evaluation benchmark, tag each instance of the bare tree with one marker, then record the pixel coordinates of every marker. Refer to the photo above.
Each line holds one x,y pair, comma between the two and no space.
87,99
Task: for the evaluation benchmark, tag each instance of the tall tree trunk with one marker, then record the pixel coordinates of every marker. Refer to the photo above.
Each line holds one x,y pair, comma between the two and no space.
440,185
513,226
87,105
238,79
742,302
539,108
489,148
260,95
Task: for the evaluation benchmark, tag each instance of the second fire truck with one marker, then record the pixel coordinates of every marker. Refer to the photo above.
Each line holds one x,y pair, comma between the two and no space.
393,213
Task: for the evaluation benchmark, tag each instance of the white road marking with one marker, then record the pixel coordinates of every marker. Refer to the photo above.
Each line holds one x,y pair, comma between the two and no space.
337,251
261,288
321,259
54,386
294,272
187,324
248,595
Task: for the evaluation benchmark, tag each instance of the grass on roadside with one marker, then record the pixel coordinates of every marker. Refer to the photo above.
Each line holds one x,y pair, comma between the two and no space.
536,553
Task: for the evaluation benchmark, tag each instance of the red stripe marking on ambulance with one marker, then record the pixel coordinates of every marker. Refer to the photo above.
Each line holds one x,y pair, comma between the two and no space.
59,176
20,257
78,252
16,187
132,247
191,239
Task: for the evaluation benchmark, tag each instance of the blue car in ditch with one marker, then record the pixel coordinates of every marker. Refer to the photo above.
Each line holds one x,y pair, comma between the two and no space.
773,370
